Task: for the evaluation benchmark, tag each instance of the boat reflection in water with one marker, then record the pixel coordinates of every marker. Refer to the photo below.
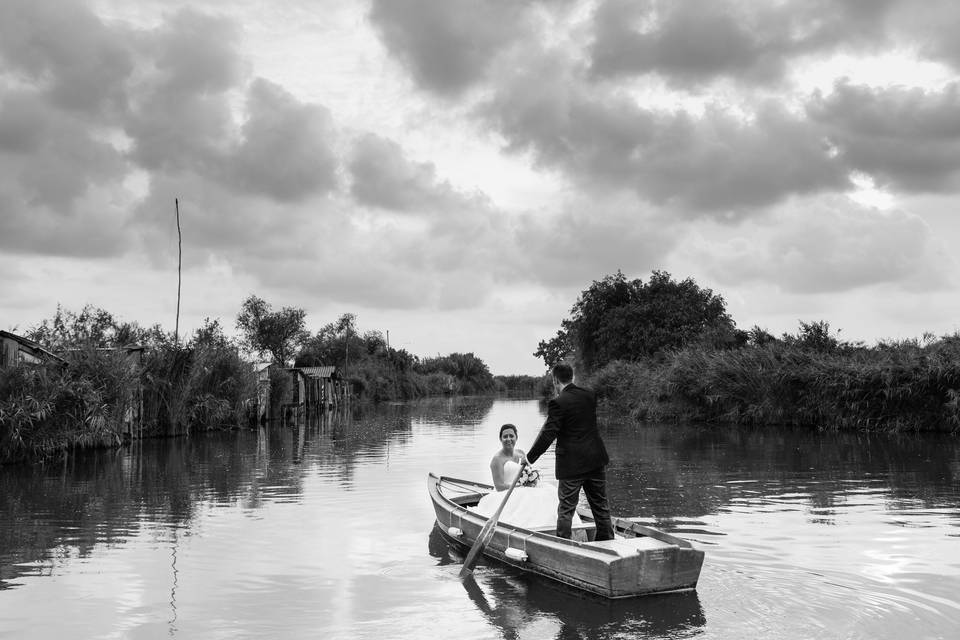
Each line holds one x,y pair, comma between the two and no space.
520,603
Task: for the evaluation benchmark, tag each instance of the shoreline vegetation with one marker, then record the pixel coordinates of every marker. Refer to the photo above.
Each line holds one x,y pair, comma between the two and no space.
667,351
661,350
108,382
894,387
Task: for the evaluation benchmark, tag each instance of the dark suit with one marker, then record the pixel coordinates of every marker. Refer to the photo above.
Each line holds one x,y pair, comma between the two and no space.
580,457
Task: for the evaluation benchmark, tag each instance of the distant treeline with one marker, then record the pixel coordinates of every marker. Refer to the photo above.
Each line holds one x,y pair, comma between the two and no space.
527,386
666,350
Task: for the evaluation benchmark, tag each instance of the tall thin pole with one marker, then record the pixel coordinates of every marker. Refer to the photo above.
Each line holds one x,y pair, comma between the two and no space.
176,330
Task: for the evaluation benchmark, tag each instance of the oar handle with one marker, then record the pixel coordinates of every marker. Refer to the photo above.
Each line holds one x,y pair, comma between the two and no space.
487,531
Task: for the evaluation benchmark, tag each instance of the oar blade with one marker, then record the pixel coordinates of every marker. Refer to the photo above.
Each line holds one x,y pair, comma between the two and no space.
474,554
485,533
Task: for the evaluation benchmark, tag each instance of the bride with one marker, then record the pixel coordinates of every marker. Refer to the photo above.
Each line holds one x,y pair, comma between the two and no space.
532,505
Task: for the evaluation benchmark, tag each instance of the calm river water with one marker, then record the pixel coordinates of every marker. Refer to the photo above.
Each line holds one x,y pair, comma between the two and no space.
326,531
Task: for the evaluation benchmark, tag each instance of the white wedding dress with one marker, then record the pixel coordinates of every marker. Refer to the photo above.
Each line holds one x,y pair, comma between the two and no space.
528,507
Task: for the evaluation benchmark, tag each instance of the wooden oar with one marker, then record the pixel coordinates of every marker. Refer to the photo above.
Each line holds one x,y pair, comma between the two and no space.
487,532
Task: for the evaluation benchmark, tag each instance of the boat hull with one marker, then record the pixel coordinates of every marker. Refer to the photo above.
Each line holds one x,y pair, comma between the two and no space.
640,561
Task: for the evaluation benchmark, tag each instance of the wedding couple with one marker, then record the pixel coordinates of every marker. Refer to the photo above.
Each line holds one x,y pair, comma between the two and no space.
581,458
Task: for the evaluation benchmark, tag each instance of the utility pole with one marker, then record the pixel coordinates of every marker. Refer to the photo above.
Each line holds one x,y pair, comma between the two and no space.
176,328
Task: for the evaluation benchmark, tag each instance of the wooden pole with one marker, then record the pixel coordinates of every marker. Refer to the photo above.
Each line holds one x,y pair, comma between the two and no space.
176,329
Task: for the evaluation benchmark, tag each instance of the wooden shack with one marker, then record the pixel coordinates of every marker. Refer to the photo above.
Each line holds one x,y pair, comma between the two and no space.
262,371
319,388
15,350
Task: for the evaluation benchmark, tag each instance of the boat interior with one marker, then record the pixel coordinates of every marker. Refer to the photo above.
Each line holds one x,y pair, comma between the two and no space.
629,538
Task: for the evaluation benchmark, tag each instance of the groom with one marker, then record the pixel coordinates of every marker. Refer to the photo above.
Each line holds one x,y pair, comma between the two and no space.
581,455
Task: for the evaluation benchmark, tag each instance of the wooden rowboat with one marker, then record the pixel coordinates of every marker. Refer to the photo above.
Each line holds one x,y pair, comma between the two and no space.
640,561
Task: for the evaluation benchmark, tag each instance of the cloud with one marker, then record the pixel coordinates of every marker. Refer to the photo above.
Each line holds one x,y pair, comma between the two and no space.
830,245
441,257
905,138
194,53
78,62
286,150
692,42
181,117
590,238
719,162
383,177
696,42
932,30
48,157
61,190
447,45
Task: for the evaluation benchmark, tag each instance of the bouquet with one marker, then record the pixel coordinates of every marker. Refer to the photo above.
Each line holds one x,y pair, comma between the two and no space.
529,477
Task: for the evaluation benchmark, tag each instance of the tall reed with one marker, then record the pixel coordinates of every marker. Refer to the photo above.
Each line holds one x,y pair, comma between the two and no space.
891,387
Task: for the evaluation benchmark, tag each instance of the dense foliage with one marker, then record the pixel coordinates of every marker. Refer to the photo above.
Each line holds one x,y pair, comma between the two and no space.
108,371
521,385
620,319
264,331
667,350
380,372
810,379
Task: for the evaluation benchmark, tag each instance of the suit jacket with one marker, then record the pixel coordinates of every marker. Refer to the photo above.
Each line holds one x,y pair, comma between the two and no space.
572,422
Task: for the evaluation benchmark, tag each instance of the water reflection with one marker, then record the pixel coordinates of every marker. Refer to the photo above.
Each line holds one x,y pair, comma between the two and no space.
672,473
52,514
517,604
318,528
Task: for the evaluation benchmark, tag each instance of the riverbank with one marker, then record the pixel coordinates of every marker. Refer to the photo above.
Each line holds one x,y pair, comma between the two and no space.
906,386
104,398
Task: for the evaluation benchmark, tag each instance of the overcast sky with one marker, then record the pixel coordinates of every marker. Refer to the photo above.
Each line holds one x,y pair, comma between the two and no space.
456,172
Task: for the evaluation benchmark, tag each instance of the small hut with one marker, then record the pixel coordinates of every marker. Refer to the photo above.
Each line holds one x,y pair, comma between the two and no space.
262,371
15,350
319,388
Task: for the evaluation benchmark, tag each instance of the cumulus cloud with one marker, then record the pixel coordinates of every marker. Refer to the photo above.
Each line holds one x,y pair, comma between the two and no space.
76,61
932,30
905,138
719,161
59,78
447,45
831,245
49,157
697,41
286,150
180,116
588,239
384,177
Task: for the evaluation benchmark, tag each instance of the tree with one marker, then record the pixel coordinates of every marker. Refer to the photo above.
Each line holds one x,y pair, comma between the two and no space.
557,348
333,344
620,319
816,336
470,373
758,336
91,327
278,333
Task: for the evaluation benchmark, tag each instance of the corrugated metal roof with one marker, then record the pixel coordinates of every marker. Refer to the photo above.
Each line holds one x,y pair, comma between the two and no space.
29,344
318,372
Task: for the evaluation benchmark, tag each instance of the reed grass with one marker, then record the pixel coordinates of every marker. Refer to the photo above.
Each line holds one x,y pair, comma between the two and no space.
48,409
906,386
